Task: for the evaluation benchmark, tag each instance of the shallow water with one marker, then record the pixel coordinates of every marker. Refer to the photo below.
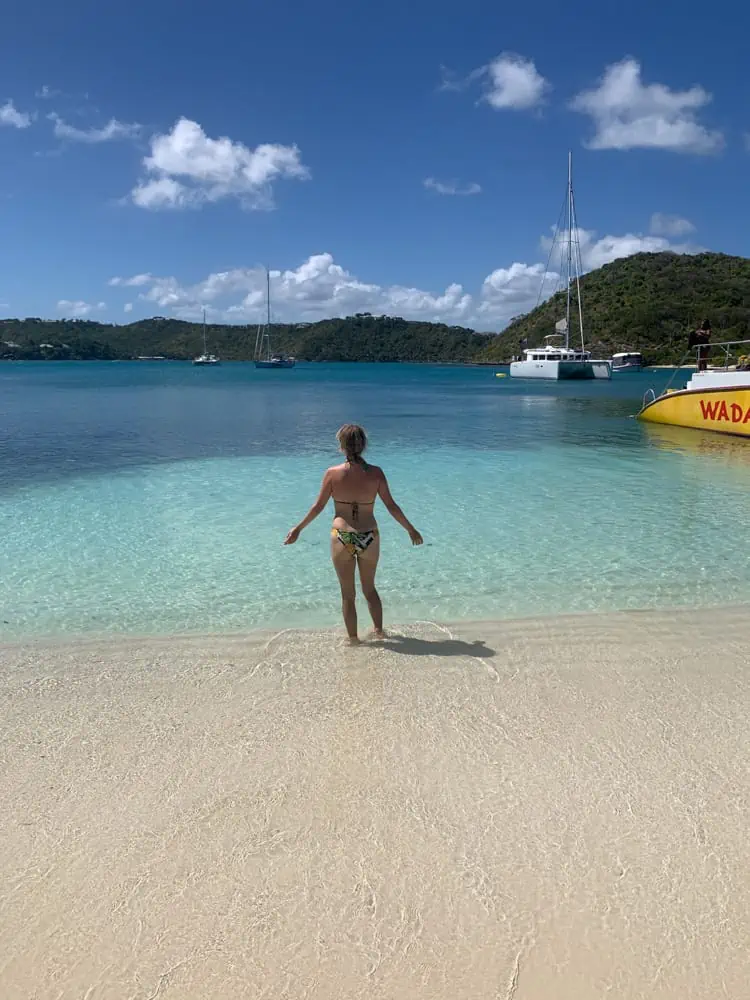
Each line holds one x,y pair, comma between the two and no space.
155,497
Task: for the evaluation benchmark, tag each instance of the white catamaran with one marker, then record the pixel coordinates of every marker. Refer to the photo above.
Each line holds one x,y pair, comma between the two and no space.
263,356
205,358
555,360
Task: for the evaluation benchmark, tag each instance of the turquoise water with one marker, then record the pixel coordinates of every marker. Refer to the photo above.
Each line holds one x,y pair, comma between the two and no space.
154,498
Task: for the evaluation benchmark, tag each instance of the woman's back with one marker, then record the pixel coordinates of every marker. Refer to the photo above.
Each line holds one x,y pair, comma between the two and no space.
354,488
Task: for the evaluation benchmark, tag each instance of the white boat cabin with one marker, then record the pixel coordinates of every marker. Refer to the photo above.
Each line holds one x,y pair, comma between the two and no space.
550,353
627,359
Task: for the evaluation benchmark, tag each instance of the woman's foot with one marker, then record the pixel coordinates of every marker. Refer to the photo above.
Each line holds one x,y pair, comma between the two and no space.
378,633
352,640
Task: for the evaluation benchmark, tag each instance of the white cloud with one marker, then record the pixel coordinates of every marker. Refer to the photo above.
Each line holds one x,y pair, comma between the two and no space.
10,115
598,252
670,225
629,114
514,83
162,192
128,307
76,309
135,282
46,93
451,187
111,131
186,168
511,291
320,288
511,82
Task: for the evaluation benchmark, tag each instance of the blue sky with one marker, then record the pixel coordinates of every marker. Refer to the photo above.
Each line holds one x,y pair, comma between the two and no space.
396,158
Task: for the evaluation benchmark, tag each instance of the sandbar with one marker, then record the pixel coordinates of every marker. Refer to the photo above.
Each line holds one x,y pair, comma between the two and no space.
553,809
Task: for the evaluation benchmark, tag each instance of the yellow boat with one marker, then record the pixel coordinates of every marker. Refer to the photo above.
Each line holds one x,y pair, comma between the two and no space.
717,399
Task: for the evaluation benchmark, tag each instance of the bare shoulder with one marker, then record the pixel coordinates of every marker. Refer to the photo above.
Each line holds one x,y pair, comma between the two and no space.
376,471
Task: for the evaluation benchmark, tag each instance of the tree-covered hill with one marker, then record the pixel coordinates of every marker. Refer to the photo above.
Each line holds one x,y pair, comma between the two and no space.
355,338
648,302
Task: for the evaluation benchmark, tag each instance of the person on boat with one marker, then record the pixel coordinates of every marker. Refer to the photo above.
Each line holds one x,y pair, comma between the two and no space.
355,541
701,339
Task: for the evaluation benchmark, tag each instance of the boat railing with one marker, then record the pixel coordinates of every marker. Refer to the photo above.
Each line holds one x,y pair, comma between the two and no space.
725,347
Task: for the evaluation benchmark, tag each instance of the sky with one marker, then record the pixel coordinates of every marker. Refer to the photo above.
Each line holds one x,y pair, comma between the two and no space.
406,159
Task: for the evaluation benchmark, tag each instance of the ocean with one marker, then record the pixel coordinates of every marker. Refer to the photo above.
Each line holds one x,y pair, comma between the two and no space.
149,498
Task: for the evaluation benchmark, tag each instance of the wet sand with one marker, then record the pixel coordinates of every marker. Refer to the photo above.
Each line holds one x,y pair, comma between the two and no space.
548,810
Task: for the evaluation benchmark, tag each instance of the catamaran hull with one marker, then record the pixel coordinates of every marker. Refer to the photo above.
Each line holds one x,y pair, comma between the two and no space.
274,364
725,411
558,370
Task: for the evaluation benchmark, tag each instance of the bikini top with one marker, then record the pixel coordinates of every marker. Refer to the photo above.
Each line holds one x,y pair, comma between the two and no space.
355,505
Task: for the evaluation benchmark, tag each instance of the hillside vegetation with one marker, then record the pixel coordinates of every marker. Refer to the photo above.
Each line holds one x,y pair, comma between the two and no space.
648,302
355,338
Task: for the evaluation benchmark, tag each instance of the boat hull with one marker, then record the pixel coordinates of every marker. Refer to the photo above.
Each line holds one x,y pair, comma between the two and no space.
624,369
558,370
722,410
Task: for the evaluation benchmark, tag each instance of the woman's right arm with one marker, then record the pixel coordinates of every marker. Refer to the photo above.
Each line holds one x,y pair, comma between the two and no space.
395,511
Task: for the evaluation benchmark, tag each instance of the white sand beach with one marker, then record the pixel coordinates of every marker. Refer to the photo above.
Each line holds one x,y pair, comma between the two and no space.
535,810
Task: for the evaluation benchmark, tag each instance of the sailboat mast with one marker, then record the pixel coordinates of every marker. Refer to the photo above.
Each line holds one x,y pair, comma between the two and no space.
569,268
268,313
205,351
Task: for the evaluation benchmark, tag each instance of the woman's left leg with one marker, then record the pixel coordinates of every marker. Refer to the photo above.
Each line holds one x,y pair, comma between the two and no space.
343,563
368,565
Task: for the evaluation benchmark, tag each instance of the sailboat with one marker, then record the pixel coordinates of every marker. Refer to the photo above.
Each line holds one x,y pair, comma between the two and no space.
205,358
263,356
558,360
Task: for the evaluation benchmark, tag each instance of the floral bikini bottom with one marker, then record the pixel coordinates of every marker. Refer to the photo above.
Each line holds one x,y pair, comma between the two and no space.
355,542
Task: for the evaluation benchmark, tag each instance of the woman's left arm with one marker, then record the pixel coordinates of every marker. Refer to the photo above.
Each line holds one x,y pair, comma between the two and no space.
317,508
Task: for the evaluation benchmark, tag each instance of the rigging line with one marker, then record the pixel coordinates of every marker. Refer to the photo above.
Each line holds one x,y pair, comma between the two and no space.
578,264
551,250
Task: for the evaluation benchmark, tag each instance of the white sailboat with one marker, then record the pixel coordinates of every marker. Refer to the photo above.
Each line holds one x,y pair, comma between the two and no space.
263,356
205,358
556,360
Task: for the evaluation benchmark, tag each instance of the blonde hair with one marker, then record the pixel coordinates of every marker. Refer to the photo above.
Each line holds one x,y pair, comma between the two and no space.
352,441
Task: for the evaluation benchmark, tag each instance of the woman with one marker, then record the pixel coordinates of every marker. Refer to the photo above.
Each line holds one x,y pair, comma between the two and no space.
355,540
701,339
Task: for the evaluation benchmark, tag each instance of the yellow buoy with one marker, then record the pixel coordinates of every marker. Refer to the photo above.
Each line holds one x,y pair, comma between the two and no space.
500,375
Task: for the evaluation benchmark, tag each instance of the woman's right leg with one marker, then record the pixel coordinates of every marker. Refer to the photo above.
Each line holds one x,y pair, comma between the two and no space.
368,564
343,563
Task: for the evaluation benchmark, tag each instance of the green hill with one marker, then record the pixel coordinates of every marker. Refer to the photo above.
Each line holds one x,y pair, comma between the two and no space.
356,338
646,303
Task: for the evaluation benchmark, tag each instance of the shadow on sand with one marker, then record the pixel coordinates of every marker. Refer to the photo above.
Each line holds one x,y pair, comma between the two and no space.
433,647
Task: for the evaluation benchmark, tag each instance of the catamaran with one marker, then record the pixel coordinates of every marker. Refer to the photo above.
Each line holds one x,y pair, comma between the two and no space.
556,360
205,358
263,356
